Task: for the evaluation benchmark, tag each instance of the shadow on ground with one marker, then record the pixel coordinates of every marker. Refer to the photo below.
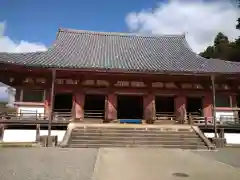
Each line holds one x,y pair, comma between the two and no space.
230,156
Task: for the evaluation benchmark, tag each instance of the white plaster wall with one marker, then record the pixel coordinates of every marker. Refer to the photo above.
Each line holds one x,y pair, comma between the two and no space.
231,138
13,135
209,135
32,109
228,114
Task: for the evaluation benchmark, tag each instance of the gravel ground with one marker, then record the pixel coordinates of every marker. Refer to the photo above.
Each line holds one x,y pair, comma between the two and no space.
230,156
46,163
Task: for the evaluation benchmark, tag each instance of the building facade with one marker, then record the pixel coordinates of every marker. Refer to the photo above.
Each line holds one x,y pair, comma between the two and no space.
113,76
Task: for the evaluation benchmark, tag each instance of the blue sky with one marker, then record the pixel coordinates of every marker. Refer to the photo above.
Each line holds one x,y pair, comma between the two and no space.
38,20
31,25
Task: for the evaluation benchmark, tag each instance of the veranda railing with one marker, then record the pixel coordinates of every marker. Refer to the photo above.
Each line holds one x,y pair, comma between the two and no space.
94,114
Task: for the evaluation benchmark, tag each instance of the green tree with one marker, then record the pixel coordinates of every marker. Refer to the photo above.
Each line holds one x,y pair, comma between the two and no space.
235,54
238,24
220,48
208,53
238,20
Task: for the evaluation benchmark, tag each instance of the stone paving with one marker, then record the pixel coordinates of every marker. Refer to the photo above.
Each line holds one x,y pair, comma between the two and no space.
155,164
230,156
46,163
118,164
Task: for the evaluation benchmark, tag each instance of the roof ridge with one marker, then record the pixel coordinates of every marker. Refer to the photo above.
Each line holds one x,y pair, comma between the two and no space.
68,30
227,61
22,53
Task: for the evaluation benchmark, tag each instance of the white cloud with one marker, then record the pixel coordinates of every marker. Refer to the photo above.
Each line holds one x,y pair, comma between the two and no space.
8,45
3,94
199,20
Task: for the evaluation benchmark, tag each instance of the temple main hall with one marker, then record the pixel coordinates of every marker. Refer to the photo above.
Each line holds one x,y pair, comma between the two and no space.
121,77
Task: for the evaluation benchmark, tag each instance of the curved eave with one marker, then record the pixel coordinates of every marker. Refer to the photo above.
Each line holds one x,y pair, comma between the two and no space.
101,70
94,51
25,58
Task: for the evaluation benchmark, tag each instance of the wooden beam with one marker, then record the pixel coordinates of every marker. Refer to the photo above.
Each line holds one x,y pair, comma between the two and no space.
50,116
214,105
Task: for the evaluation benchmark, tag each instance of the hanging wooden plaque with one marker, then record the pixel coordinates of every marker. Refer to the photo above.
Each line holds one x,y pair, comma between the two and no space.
157,85
122,84
137,84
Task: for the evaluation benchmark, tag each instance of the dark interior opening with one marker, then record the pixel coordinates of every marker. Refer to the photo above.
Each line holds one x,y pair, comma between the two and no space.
164,104
94,106
32,95
194,106
238,104
63,102
129,107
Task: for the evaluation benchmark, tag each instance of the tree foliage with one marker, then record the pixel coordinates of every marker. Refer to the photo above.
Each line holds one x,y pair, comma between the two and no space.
222,48
238,24
238,21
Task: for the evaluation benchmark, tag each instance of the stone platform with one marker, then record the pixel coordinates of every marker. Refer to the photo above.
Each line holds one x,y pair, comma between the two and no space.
155,164
81,135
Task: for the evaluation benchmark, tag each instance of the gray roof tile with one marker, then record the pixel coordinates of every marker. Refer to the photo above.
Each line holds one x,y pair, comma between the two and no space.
121,52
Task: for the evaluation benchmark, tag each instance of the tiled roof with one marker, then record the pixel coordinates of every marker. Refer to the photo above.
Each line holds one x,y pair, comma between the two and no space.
121,52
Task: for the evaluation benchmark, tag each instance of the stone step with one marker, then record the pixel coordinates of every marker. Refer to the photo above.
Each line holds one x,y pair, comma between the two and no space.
129,142
147,138
136,146
133,129
78,135
136,129
130,132
122,136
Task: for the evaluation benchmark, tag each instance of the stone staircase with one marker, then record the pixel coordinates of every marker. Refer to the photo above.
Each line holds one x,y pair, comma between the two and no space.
121,135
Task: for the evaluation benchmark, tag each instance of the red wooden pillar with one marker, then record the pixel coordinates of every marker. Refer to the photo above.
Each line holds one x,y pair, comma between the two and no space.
180,108
79,105
234,105
207,106
234,101
47,102
149,106
111,111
